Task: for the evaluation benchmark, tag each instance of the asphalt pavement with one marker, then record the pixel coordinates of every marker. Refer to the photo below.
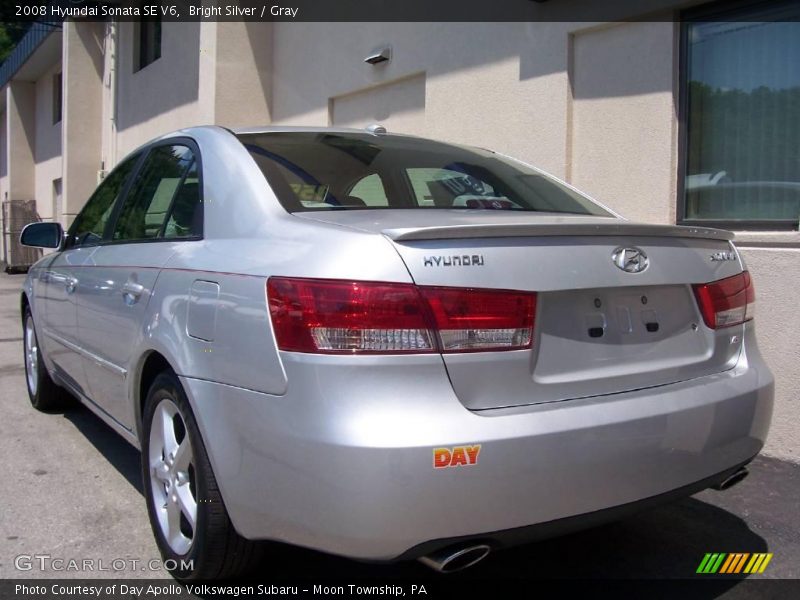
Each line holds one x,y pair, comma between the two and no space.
70,488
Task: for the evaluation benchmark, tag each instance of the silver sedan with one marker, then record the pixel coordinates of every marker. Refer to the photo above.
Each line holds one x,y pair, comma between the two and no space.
388,348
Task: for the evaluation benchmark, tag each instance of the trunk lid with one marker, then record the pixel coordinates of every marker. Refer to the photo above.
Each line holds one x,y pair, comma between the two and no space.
599,329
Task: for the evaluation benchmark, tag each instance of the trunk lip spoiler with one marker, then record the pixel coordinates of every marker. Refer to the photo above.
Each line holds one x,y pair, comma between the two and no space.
442,232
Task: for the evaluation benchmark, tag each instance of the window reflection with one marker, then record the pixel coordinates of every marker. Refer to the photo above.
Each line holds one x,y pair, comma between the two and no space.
743,119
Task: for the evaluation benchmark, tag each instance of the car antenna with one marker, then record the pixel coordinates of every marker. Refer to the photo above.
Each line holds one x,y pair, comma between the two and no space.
376,128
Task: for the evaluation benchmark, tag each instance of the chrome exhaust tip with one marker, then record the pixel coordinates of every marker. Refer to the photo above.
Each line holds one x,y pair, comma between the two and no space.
450,560
732,480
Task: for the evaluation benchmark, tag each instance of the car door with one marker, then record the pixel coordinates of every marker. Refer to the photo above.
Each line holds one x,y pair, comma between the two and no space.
62,279
121,274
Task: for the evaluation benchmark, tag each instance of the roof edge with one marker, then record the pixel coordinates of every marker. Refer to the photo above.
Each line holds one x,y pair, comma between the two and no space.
29,43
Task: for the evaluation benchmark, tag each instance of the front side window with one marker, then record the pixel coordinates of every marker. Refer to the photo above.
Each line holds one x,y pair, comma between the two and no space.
350,171
742,118
161,180
90,224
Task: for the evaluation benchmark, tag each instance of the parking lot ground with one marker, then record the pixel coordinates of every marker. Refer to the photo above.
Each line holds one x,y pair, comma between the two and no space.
71,489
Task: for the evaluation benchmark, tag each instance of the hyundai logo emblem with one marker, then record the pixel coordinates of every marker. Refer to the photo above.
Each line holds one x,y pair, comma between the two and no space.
630,260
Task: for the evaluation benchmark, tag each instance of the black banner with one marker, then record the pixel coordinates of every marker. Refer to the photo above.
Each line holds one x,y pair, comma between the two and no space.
447,586
359,10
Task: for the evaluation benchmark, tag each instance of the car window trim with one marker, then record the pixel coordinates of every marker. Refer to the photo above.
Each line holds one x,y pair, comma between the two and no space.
112,220
155,240
198,160
147,150
115,207
401,178
171,206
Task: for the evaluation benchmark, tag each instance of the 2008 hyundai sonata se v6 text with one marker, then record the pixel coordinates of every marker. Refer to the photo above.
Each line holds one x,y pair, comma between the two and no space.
389,348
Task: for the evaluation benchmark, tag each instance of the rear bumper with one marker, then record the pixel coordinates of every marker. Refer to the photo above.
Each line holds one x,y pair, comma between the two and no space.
344,461
565,525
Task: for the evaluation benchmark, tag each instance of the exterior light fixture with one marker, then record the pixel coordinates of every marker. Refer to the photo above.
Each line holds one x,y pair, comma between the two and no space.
379,55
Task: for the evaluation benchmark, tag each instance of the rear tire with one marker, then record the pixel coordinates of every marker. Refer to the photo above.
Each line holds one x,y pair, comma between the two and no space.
189,519
45,395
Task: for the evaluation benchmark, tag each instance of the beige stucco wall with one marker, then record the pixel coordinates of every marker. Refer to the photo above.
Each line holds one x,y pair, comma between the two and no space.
163,96
399,105
485,83
621,146
47,145
21,108
242,88
208,73
82,120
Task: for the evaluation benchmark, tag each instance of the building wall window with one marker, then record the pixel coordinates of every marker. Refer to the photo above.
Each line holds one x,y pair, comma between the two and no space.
741,117
58,97
148,42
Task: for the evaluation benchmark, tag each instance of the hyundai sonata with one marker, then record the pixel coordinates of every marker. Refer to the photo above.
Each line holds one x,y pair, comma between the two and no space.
389,348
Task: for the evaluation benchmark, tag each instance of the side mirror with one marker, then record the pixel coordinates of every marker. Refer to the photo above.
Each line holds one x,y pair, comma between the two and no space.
42,235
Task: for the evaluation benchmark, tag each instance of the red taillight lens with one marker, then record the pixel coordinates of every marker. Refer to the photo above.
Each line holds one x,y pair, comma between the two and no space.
726,302
331,317
470,320
347,317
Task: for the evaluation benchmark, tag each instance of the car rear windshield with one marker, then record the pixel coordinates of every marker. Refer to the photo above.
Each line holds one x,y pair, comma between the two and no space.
311,171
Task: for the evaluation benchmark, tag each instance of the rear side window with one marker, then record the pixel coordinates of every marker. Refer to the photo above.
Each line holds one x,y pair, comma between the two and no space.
453,189
167,178
186,214
311,171
90,224
368,191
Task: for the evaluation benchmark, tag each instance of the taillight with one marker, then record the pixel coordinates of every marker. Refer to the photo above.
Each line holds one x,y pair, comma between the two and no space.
470,320
357,317
331,317
727,302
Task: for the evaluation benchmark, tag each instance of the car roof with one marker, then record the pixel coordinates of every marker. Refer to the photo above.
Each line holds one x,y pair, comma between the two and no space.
341,130
293,128
260,129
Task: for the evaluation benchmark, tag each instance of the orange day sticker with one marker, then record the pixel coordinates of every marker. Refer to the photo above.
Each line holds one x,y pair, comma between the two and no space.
458,456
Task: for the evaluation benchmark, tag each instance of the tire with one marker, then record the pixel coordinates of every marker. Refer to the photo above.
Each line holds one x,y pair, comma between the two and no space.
178,483
45,395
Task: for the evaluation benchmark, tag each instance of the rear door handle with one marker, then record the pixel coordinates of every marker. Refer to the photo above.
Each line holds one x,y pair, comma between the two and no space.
131,291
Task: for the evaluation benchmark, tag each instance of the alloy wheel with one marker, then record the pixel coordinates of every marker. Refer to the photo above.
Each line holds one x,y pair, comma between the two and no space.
31,357
172,474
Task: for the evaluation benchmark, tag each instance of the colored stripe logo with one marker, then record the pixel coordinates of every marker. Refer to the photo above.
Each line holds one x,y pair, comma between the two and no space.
735,562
